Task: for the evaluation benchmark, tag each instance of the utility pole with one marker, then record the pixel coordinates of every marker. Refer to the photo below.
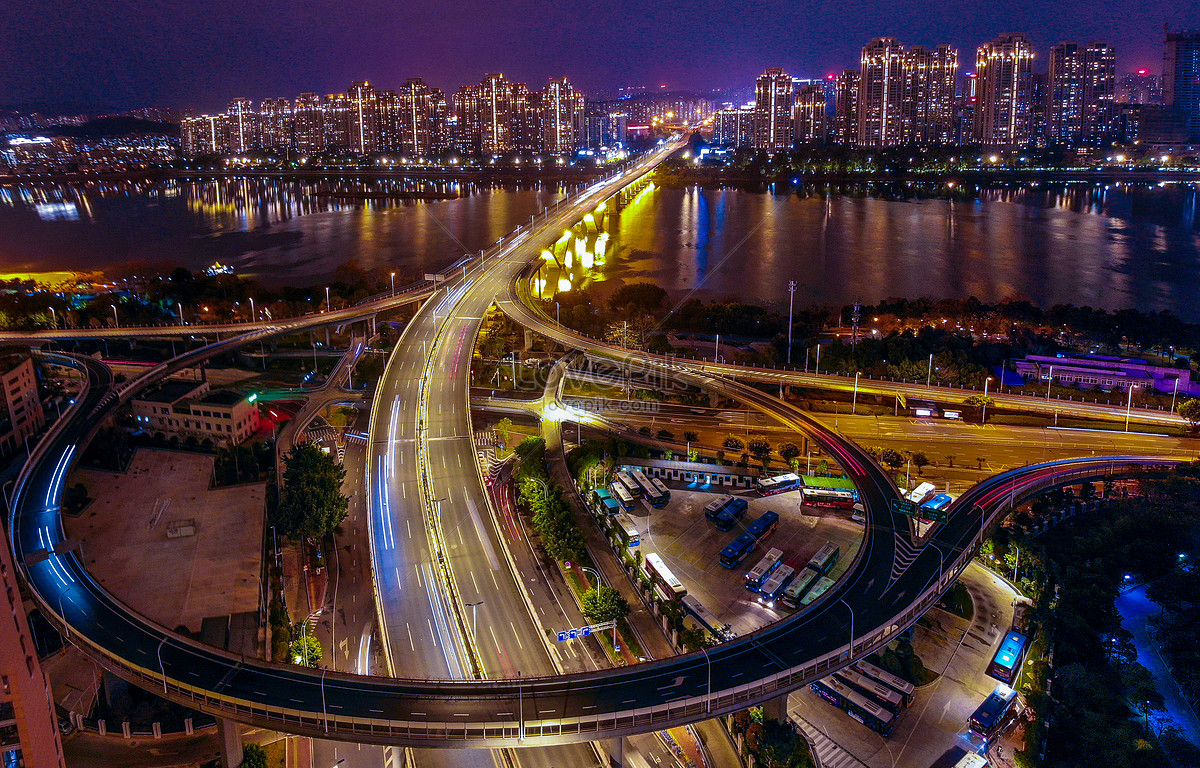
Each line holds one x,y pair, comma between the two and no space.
791,304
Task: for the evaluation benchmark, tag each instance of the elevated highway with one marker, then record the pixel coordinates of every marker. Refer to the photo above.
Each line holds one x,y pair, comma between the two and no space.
890,584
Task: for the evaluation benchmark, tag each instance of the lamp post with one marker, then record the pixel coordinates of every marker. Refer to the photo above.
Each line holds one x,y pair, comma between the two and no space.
854,401
324,710
849,653
929,373
54,321
1049,381
1174,393
986,382
791,303
1129,406
328,306
474,618
179,304
161,669
116,321
393,284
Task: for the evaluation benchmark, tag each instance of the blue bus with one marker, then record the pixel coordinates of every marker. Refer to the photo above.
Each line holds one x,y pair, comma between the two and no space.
736,552
764,526
714,507
756,575
775,584
1006,664
732,512
779,483
993,714
855,704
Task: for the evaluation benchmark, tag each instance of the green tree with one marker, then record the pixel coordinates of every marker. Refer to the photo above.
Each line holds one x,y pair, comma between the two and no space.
306,651
604,604
891,458
782,747
502,428
253,756
691,437
920,461
665,434
760,449
734,443
789,452
1190,409
311,503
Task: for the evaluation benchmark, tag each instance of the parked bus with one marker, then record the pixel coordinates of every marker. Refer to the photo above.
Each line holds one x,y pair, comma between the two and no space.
819,587
774,584
872,689
778,484
827,497
661,575
758,574
733,511
736,552
764,526
822,562
798,586
993,714
705,617
662,488
855,704
654,497
624,497
714,507
626,479
628,530
1006,664
899,685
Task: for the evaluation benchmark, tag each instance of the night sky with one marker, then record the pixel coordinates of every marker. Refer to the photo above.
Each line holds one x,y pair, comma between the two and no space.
131,53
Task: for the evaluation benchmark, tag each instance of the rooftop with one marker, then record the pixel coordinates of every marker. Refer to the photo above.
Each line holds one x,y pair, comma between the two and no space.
226,397
171,392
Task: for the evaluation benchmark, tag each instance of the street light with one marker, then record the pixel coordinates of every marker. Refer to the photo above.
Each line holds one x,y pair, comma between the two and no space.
252,314
791,303
1129,405
986,382
54,324
162,670
328,306
393,284
116,321
854,402
179,304
474,618
849,653
1049,381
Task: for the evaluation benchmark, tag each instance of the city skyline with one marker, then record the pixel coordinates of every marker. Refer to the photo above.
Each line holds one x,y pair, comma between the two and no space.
168,59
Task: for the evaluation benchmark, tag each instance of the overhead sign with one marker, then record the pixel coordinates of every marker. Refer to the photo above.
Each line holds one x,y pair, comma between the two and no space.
585,631
431,277
904,507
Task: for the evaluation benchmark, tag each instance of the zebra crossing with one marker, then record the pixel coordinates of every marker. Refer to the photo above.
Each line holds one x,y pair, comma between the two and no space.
906,553
827,752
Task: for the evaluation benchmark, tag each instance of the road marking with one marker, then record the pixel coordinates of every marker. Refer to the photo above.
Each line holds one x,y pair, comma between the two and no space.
410,637
399,583
516,634
431,632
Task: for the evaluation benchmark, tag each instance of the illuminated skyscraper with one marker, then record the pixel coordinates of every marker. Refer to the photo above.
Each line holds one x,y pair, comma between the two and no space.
929,95
845,109
1004,107
525,119
1181,79
336,121
906,96
361,118
309,123
494,102
774,102
464,128
416,117
1140,87
241,126
387,121
276,119
203,135
439,117
1081,93
881,94
562,118
810,114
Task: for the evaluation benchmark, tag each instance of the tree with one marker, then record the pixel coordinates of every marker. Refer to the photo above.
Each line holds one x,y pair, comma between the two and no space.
1190,409
604,604
782,747
789,452
734,443
311,503
892,458
979,460
950,458
920,461
502,429
306,651
760,449
253,756
665,434
691,437
637,298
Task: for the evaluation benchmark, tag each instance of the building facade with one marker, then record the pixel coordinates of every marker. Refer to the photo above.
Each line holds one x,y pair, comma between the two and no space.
774,104
562,117
1004,104
1181,79
1080,93
21,412
810,125
190,408
845,107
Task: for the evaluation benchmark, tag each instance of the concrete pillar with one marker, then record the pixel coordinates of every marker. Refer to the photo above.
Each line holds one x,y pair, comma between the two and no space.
616,751
776,708
231,743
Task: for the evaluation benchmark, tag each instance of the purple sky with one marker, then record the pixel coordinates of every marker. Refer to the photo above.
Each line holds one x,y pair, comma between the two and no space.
129,53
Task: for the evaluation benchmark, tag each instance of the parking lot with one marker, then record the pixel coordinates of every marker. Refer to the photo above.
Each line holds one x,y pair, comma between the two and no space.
690,546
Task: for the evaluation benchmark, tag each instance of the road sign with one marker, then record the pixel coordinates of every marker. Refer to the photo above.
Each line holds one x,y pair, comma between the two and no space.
905,507
584,631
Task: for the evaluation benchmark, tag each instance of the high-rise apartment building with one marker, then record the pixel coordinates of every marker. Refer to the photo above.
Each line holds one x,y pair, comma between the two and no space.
1181,79
276,119
845,107
387,121
525,116
242,126
1140,87
1004,106
494,103
810,125
562,117
202,135
735,126
774,102
465,130
929,103
905,96
308,123
439,116
361,118
881,94
335,121
1080,93
416,118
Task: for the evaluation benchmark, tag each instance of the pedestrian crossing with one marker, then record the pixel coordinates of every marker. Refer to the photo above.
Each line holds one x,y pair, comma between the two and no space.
827,752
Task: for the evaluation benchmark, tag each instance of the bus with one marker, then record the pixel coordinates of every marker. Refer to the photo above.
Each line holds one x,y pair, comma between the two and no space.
993,714
714,507
768,486
705,617
661,575
758,574
819,587
855,704
899,685
736,552
822,562
1006,664
872,689
661,487
628,530
827,497
732,512
764,526
774,584
798,586
624,497
626,479
654,497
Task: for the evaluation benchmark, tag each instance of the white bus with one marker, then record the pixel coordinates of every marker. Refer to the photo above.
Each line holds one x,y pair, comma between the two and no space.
661,575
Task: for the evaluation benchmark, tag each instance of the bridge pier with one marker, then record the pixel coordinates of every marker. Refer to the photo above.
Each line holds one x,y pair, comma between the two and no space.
616,751
776,708
231,742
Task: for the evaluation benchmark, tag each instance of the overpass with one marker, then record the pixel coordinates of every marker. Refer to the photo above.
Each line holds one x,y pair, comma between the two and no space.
890,584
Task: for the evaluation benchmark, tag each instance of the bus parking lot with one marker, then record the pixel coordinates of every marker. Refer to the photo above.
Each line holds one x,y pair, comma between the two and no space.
690,546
